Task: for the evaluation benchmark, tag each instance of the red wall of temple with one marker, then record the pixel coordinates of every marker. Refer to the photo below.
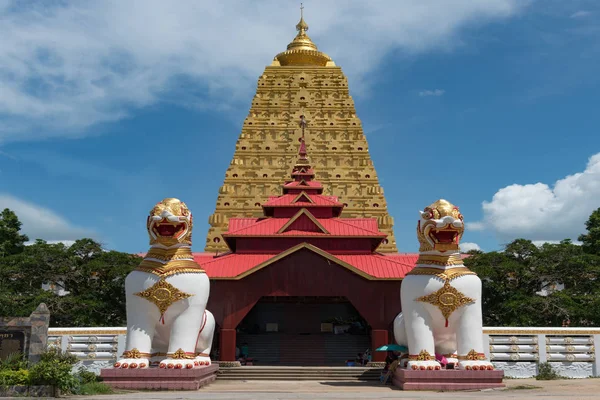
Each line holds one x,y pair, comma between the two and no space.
329,244
305,273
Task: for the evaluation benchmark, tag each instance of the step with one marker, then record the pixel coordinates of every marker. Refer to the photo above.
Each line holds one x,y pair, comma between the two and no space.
300,373
340,373
256,368
298,377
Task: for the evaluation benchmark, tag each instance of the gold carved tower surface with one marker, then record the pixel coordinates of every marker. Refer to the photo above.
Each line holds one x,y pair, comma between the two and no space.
300,81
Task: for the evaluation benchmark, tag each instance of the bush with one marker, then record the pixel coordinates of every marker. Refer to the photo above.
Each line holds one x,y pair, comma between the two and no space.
86,376
92,388
54,369
9,377
14,362
546,373
56,355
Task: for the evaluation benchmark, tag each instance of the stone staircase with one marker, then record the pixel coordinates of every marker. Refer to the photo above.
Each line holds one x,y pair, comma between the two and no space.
280,373
304,350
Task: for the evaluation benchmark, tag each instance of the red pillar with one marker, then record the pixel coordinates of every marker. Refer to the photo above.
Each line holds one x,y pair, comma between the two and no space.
379,337
227,345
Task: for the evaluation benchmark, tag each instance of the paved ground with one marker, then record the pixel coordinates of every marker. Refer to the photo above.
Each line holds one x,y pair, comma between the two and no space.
525,389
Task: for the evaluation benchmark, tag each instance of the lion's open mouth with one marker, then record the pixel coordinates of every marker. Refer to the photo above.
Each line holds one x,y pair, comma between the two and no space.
167,229
444,236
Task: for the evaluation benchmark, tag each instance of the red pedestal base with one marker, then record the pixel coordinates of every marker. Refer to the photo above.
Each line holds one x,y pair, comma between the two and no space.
447,379
159,378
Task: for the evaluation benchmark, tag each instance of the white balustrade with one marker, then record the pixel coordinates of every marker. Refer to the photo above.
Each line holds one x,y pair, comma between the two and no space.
572,352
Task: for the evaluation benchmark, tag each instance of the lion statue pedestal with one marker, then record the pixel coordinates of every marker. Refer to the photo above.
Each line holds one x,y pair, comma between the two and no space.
169,330
441,312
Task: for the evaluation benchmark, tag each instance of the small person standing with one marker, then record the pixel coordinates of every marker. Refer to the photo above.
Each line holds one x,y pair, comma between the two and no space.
245,351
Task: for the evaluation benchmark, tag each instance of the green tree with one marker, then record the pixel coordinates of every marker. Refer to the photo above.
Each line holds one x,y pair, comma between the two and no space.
11,241
92,279
526,285
591,240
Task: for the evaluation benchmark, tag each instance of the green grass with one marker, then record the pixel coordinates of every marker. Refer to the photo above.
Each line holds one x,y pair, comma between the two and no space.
92,388
524,387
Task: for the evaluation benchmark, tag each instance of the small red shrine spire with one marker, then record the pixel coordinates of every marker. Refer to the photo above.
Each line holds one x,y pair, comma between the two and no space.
302,173
302,162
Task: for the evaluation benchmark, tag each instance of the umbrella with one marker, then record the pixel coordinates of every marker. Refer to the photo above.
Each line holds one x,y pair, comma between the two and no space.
392,347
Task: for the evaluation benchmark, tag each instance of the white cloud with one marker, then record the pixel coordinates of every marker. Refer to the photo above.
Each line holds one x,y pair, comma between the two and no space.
539,243
468,246
42,223
542,213
543,242
580,14
69,65
67,243
436,92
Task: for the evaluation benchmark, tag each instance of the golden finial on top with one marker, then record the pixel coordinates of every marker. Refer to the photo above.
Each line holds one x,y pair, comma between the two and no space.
302,26
302,50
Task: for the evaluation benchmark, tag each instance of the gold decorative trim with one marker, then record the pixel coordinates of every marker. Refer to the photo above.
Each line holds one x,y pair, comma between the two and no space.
171,268
440,260
448,299
305,195
422,356
472,356
135,353
444,274
163,294
298,215
181,355
202,355
171,254
69,332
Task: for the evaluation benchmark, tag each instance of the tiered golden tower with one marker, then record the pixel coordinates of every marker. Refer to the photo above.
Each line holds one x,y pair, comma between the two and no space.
300,81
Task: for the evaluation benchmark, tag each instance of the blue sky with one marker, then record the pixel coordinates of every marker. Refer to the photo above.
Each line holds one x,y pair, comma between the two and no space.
108,107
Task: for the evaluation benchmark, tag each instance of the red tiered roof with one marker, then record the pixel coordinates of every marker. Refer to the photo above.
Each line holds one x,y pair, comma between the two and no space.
303,219
371,266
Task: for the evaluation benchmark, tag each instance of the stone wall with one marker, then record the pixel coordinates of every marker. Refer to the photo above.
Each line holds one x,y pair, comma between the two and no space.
35,329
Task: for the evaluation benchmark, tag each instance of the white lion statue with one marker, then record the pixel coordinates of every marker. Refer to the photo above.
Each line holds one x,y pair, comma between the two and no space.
441,298
167,320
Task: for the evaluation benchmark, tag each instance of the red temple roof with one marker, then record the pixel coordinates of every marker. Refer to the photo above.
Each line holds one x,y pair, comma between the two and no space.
340,227
370,266
303,200
236,266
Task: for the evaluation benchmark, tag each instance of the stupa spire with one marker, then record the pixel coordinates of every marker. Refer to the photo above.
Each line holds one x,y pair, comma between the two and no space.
302,50
302,26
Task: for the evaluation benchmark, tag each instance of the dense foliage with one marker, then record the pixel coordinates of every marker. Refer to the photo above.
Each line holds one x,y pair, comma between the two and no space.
92,277
54,369
549,285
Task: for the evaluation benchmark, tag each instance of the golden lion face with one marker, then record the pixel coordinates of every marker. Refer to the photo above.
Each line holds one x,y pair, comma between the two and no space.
440,228
170,223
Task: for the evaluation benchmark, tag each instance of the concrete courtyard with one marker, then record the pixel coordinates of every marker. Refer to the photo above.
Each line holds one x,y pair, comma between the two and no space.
572,389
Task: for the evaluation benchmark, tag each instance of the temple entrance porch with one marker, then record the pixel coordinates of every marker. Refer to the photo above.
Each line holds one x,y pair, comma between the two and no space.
304,331
303,274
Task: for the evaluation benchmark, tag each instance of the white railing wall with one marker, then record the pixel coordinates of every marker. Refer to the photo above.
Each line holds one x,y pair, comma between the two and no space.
572,352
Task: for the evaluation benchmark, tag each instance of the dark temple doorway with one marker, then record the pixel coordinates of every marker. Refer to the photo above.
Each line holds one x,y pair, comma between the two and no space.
303,331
